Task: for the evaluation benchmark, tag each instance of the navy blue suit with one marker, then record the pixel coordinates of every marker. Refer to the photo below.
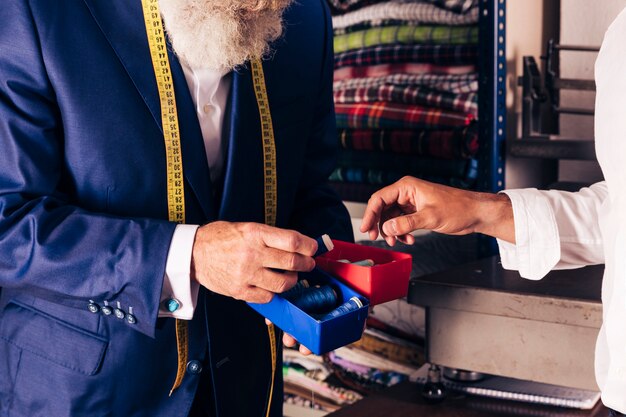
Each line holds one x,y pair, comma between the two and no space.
83,212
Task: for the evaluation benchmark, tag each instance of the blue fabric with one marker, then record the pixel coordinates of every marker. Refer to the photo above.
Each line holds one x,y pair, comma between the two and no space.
83,211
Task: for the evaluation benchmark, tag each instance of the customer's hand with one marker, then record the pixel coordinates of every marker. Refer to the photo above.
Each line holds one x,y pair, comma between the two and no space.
411,204
246,260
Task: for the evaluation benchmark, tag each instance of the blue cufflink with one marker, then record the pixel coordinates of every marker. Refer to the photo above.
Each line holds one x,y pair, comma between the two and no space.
172,305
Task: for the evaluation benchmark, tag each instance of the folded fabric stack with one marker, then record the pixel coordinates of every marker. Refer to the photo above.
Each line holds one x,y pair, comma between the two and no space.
406,92
310,383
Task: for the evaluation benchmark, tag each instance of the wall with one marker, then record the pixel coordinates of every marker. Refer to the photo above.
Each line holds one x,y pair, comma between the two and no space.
583,22
530,24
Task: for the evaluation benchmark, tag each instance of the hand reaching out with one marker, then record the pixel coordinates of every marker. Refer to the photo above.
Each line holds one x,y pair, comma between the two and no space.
411,204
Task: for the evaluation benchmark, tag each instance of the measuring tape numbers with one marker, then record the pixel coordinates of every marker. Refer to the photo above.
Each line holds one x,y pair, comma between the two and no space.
173,153
174,164
270,188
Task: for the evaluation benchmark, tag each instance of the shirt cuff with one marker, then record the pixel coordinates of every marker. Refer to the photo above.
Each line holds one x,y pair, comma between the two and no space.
537,247
180,293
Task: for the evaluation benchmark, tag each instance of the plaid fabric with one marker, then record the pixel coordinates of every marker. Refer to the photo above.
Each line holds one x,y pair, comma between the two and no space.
459,6
385,115
419,13
343,6
465,83
416,53
464,103
456,35
384,164
382,70
367,176
445,144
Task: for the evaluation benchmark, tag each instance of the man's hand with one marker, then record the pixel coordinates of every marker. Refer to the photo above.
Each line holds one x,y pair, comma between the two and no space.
411,204
246,260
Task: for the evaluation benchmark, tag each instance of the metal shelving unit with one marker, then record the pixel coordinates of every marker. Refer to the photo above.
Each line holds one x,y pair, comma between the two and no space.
491,103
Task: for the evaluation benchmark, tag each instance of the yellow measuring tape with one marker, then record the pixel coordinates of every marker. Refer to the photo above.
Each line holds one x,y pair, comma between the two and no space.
270,189
171,136
175,188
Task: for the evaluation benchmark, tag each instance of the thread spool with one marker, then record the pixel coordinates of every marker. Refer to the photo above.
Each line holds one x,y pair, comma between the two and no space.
296,290
324,244
316,299
352,304
363,262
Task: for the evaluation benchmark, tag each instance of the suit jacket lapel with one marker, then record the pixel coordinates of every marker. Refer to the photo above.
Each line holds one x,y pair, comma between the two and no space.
121,22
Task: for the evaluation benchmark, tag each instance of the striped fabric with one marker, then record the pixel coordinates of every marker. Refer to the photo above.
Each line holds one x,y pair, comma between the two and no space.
418,13
465,83
455,35
369,162
343,6
415,53
385,115
445,144
382,70
464,103
459,6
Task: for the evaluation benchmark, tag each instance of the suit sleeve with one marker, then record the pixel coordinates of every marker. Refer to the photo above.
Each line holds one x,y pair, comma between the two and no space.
318,209
50,246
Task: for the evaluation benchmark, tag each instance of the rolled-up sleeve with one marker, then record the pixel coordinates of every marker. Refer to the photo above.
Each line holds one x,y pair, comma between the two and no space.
554,230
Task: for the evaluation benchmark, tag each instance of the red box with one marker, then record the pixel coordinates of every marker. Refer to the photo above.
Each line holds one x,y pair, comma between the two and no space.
387,280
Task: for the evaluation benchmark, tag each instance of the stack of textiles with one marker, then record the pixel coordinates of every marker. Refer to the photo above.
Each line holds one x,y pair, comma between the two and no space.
310,383
406,92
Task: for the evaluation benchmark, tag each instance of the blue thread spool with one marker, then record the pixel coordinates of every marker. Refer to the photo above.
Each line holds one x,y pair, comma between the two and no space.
296,290
324,244
352,304
316,300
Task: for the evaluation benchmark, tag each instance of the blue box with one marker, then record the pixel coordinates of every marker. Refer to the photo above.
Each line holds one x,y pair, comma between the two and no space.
319,336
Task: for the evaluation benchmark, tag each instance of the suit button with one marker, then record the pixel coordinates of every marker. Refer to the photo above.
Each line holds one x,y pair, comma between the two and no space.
107,311
93,307
194,367
119,314
131,319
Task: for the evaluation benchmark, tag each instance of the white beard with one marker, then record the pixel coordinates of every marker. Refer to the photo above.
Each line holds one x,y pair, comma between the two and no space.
220,34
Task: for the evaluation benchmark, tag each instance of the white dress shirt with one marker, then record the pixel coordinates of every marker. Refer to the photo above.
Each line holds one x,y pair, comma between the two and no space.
555,229
209,92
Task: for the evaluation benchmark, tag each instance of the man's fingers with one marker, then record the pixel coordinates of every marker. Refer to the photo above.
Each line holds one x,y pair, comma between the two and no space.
256,295
287,261
377,203
288,241
288,340
304,350
275,282
402,225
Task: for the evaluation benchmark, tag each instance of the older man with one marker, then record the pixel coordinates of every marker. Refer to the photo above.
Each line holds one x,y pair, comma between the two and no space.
93,273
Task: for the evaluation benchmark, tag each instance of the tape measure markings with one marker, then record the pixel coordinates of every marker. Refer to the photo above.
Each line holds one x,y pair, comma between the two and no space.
173,153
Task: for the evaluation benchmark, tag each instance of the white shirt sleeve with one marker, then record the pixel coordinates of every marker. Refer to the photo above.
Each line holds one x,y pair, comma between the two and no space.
554,230
177,283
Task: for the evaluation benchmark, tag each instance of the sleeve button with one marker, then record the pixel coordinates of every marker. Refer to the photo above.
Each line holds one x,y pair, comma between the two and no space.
131,319
107,311
93,307
119,313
